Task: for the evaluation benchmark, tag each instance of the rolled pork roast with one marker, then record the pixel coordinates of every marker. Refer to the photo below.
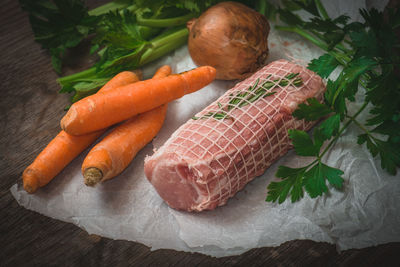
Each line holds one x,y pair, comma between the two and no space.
214,155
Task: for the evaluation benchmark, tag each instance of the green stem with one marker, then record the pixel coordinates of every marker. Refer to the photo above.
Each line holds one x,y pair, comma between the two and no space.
360,125
164,46
111,6
321,9
333,141
305,34
164,23
148,32
339,46
76,76
312,163
361,80
348,42
160,47
262,7
341,57
170,38
337,92
356,122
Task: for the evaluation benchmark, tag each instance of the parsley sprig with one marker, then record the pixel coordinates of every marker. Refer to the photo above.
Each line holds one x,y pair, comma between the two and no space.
252,94
367,55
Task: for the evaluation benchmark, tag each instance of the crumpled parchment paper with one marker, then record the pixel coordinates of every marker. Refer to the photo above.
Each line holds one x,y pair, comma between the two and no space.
365,213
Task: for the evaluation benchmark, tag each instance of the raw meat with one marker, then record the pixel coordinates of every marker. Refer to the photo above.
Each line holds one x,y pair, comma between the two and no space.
208,160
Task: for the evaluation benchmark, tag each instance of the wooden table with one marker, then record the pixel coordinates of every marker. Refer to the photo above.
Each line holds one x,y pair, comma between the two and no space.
30,110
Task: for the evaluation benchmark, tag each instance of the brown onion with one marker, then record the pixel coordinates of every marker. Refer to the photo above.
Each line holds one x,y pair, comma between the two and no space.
230,37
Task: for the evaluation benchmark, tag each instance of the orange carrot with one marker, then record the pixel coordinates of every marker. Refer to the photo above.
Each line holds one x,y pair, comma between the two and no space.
65,147
114,153
57,154
104,109
162,72
121,79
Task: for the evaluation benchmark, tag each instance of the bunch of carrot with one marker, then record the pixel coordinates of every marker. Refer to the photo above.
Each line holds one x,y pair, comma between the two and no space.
141,107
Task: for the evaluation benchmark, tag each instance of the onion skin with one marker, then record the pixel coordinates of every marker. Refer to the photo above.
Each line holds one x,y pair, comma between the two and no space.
230,37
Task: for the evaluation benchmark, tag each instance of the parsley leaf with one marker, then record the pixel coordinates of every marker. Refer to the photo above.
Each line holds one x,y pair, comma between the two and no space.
390,155
119,30
313,111
389,127
289,17
356,68
365,42
303,143
324,65
330,29
329,127
383,93
292,185
388,151
315,179
294,179
346,85
372,147
334,97
308,5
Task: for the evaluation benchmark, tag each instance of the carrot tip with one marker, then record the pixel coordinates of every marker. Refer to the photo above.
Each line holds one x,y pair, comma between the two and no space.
71,115
30,188
30,180
92,176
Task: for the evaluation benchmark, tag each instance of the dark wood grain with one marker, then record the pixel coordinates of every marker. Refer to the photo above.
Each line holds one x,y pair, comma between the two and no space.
30,110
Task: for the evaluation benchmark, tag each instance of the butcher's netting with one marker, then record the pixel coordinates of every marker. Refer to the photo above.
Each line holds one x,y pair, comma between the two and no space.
231,141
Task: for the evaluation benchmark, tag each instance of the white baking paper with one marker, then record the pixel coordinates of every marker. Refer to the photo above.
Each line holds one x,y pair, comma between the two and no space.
366,213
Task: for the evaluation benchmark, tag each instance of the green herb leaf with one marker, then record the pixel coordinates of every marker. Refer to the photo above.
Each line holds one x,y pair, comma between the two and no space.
383,93
315,179
356,68
330,127
59,24
308,5
365,42
119,30
390,155
388,151
330,29
291,185
372,147
303,143
389,127
313,111
289,17
324,65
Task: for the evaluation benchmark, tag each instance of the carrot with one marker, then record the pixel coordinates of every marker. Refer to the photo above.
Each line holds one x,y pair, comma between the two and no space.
162,72
57,154
65,147
114,153
104,109
121,79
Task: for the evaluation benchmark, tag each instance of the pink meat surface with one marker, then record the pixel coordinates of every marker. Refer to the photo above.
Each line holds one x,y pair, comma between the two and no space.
207,161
